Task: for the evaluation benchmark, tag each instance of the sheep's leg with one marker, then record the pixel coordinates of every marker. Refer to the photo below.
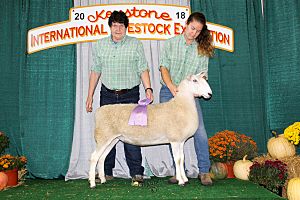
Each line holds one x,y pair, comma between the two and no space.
106,151
100,148
182,171
93,162
177,159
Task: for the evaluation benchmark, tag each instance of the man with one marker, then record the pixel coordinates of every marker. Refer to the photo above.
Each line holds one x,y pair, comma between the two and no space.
121,63
184,55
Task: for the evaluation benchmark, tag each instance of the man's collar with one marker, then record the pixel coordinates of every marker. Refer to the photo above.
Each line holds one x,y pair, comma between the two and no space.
121,42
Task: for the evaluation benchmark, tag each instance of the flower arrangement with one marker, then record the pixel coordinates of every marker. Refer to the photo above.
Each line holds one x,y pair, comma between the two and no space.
270,174
4,142
9,162
292,133
231,146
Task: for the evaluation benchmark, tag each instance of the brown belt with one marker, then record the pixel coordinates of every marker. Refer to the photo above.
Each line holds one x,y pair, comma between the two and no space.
119,92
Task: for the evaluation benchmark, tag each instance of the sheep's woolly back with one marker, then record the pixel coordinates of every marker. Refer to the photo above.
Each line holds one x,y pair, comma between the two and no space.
165,122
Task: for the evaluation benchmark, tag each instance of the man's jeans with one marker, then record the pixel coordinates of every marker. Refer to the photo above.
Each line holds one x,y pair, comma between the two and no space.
132,153
200,137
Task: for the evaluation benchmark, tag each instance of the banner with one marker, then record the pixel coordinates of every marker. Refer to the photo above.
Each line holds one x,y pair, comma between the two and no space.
146,22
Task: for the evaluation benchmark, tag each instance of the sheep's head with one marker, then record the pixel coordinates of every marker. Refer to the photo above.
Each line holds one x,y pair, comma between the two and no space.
199,86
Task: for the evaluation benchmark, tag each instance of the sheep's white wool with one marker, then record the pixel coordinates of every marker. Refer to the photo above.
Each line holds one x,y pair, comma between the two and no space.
171,122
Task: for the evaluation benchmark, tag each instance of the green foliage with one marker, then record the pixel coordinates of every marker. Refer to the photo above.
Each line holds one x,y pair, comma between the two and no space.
270,174
4,142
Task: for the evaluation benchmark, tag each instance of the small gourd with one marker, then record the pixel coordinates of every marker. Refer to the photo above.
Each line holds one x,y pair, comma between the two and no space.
293,189
280,147
218,170
241,168
3,180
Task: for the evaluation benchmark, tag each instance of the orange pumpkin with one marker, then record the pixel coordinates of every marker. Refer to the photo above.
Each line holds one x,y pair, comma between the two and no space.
3,180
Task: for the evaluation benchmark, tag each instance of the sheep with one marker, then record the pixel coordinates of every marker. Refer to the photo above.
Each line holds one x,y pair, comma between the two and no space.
171,122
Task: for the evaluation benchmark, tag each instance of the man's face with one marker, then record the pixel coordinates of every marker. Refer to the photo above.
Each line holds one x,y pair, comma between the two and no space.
193,29
118,31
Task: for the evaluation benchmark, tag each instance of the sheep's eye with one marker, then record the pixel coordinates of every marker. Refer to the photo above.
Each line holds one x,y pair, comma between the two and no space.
195,81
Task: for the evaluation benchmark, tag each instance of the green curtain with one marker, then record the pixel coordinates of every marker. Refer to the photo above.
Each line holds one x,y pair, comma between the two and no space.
282,36
37,90
237,78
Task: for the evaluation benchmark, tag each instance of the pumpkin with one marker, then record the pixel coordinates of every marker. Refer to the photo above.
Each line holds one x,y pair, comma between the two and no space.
241,168
218,170
279,147
293,189
3,180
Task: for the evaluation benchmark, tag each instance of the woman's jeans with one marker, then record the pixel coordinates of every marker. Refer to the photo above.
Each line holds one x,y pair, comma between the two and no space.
132,153
200,137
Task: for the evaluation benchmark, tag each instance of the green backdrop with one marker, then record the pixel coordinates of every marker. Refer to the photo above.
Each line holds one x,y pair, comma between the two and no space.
38,90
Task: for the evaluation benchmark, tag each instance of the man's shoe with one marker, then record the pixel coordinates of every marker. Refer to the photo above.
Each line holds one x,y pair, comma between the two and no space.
107,177
173,180
205,179
137,180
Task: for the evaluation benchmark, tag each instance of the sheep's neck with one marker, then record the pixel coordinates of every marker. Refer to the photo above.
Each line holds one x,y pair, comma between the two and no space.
186,100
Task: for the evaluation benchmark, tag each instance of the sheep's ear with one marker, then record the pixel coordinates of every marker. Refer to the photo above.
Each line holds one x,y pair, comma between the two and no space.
189,78
201,75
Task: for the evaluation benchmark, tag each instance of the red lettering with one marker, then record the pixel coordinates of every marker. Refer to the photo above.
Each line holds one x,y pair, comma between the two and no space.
227,39
166,28
157,27
52,36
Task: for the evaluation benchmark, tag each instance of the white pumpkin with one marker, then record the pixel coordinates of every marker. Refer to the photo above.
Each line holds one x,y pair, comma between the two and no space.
241,168
293,189
280,147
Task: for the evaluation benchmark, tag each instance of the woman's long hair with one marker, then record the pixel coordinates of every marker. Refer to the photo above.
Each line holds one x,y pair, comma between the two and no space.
204,39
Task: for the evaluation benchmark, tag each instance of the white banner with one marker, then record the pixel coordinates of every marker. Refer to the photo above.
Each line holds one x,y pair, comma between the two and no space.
146,21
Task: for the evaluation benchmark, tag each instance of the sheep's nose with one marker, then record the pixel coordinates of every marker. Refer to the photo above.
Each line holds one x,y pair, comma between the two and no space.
210,94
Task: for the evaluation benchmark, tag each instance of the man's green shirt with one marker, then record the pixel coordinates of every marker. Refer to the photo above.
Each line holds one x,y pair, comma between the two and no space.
120,63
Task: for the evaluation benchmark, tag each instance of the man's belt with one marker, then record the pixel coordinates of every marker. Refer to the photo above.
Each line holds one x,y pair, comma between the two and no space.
119,92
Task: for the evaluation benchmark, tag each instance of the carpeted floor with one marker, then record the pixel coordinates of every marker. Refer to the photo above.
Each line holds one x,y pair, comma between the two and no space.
154,188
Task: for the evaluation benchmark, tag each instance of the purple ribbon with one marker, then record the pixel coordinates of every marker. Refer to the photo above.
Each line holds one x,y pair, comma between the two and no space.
138,115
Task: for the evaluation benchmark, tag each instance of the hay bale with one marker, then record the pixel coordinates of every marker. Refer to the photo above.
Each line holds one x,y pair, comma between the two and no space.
291,162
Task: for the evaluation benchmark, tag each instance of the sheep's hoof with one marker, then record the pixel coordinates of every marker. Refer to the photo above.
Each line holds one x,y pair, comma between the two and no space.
181,184
92,186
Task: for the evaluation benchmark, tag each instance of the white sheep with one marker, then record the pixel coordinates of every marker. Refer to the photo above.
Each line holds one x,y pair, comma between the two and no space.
171,122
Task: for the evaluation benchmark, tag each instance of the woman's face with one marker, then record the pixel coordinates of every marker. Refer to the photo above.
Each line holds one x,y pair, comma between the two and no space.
193,29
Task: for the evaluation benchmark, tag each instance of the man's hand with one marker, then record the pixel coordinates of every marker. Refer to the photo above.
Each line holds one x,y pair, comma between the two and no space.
149,95
89,104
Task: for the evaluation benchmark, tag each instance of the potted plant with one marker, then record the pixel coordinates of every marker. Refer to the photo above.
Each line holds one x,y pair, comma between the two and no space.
229,146
12,166
271,174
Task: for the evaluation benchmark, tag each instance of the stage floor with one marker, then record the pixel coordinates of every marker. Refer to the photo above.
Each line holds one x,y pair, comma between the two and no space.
154,188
